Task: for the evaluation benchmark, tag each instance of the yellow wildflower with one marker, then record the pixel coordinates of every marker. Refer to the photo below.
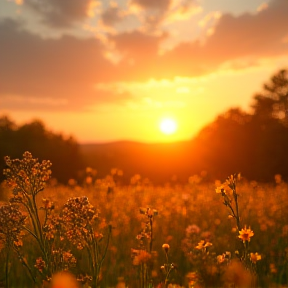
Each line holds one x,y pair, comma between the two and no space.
246,234
254,257
203,244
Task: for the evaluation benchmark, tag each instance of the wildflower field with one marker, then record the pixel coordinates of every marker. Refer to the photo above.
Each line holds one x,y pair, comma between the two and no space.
231,233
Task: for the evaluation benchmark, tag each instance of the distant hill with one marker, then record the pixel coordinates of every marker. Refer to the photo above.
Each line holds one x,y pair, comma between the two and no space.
159,162
234,142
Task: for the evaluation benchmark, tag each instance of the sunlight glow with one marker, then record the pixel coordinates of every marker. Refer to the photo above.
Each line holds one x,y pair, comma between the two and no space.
168,126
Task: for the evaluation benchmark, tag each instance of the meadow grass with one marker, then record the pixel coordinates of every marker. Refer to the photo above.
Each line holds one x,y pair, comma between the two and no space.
231,233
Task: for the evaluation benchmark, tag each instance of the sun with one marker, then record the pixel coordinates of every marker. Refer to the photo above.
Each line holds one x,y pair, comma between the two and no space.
168,126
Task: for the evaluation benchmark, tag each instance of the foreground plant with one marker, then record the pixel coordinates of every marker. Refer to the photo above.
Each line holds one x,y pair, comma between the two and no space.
230,200
27,178
142,257
82,229
230,197
12,222
167,268
198,249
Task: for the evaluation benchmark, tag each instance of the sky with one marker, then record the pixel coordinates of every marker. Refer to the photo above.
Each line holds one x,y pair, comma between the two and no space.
105,71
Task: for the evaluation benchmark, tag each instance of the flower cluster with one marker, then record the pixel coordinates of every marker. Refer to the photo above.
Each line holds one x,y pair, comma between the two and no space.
84,279
230,197
26,176
78,215
63,260
224,258
149,212
147,231
40,264
229,185
12,222
47,205
52,225
168,267
203,245
195,240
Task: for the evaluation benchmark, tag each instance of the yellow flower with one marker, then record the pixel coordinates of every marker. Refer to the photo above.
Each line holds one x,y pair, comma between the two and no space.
203,244
224,188
166,247
219,189
246,234
254,257
221,258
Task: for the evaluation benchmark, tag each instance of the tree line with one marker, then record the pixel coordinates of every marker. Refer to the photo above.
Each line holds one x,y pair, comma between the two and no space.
63,152
255,144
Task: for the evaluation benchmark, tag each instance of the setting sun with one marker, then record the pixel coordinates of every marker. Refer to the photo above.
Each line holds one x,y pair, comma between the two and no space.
168,126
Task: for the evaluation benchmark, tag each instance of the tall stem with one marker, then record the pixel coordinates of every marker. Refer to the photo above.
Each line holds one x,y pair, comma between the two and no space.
25,265
151,240
7,265
39,227
237,209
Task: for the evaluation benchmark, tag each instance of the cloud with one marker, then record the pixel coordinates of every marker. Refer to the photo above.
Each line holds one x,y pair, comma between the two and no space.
154,14
59,71
246,36
112,15
262,7
182,10
62,13
137,45
151,4
63,72
251,35
149,12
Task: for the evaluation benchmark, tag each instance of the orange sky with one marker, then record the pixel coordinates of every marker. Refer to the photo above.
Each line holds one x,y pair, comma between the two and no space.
105,71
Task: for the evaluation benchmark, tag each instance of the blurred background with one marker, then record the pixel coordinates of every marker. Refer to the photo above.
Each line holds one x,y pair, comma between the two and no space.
90,83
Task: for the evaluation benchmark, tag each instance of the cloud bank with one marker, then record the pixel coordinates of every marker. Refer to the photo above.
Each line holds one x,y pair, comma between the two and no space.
64,71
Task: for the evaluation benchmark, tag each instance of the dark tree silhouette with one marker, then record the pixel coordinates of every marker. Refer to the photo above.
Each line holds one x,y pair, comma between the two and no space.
255,144
269,127
273,101
43,144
